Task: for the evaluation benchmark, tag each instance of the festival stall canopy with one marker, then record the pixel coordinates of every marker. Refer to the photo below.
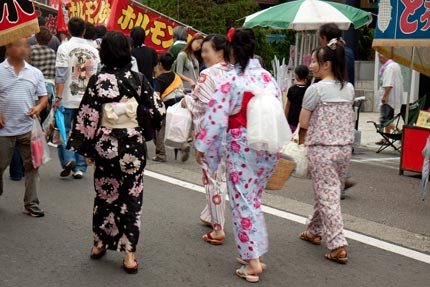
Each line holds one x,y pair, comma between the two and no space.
18,19
403,33
303,15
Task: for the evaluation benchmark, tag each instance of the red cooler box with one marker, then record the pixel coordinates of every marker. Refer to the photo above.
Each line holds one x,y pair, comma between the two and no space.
413,142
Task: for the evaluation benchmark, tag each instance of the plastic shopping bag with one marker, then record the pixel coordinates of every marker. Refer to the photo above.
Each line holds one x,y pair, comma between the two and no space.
39,147
299,154
268,129
59,120
178,126
48,125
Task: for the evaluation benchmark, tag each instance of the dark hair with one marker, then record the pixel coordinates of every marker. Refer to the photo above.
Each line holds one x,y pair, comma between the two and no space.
337,58
243,46
2,53
41,21
218,43
138,36
330,31
90,31
100,31
166,60
302,72
76,27
44,36
115,50
180,33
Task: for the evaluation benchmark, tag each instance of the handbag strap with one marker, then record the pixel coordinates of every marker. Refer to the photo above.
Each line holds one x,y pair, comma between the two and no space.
295,136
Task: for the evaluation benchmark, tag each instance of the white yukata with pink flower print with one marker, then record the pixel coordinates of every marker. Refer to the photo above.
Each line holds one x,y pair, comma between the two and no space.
247,170
216,186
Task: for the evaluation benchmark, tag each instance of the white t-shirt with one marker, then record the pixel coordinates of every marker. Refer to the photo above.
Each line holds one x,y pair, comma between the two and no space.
392,77
327,91
82,61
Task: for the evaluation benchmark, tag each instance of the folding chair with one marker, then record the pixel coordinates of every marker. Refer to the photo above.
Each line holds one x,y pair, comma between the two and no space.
392,138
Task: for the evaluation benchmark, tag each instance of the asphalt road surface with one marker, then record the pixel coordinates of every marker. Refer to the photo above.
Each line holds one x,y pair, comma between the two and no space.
54,250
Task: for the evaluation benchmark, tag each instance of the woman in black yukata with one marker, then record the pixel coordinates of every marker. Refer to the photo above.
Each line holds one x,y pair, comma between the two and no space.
108,135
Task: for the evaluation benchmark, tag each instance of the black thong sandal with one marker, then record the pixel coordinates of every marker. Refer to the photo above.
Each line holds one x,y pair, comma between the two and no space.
131,270
99,255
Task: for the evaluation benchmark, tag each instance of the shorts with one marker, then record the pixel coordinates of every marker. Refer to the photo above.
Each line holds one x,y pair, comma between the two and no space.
387,114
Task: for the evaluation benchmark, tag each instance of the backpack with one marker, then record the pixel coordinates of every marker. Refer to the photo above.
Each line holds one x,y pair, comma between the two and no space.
175,63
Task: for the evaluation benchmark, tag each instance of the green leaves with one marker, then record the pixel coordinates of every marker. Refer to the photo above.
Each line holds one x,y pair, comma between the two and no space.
206,16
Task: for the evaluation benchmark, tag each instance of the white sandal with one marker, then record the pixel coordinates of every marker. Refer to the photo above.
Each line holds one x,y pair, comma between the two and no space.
242,273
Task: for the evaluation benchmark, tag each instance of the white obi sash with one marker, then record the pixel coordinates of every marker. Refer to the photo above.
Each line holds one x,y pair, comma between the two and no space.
120,115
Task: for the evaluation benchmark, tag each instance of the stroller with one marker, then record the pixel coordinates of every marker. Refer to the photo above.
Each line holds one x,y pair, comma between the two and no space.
396,136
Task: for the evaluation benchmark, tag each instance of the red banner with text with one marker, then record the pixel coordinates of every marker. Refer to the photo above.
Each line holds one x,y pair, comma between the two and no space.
124,15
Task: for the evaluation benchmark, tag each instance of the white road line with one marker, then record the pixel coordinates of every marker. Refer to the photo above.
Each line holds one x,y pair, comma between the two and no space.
374,159
419,256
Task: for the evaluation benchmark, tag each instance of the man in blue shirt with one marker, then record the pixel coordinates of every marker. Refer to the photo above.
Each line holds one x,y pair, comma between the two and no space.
22,96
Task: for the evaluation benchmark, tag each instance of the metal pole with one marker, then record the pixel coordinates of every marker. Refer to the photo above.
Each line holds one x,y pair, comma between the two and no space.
301,48
410,86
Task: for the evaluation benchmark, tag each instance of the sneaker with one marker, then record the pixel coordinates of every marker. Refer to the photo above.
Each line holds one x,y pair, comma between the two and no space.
343,194
158,159
186,154
78,174
349,183
35,211
67,168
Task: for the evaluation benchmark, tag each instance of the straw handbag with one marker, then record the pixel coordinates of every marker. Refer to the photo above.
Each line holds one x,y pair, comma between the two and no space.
281,174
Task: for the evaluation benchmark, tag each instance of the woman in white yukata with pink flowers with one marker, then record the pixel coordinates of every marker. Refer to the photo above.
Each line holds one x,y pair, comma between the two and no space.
248,170
215,56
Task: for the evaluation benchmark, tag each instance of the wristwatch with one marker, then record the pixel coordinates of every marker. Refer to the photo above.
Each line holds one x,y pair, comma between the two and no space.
58,99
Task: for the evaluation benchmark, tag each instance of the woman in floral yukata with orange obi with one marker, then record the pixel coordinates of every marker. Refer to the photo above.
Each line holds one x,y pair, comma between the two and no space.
247,170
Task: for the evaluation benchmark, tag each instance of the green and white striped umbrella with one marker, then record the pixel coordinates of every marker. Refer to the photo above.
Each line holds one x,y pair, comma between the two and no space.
303,15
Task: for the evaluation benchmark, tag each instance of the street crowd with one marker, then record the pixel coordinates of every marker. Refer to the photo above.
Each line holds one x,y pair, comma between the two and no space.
103,80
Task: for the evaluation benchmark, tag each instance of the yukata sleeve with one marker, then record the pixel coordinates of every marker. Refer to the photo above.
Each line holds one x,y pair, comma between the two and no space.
82,138
215,121
197,102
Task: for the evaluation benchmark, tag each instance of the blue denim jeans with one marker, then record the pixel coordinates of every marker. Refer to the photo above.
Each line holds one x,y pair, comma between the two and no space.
16,168
66,155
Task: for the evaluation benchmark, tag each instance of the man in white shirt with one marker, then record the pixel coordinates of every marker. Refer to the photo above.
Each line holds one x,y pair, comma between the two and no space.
76,62
391,91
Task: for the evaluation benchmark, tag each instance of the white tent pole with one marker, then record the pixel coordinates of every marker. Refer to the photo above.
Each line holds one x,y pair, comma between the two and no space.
410,86
296,50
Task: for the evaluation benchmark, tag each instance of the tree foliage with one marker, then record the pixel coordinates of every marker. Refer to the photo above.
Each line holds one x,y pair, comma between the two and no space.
215,16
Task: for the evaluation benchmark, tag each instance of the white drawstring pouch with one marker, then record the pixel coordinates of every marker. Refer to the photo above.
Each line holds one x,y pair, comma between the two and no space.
267,126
